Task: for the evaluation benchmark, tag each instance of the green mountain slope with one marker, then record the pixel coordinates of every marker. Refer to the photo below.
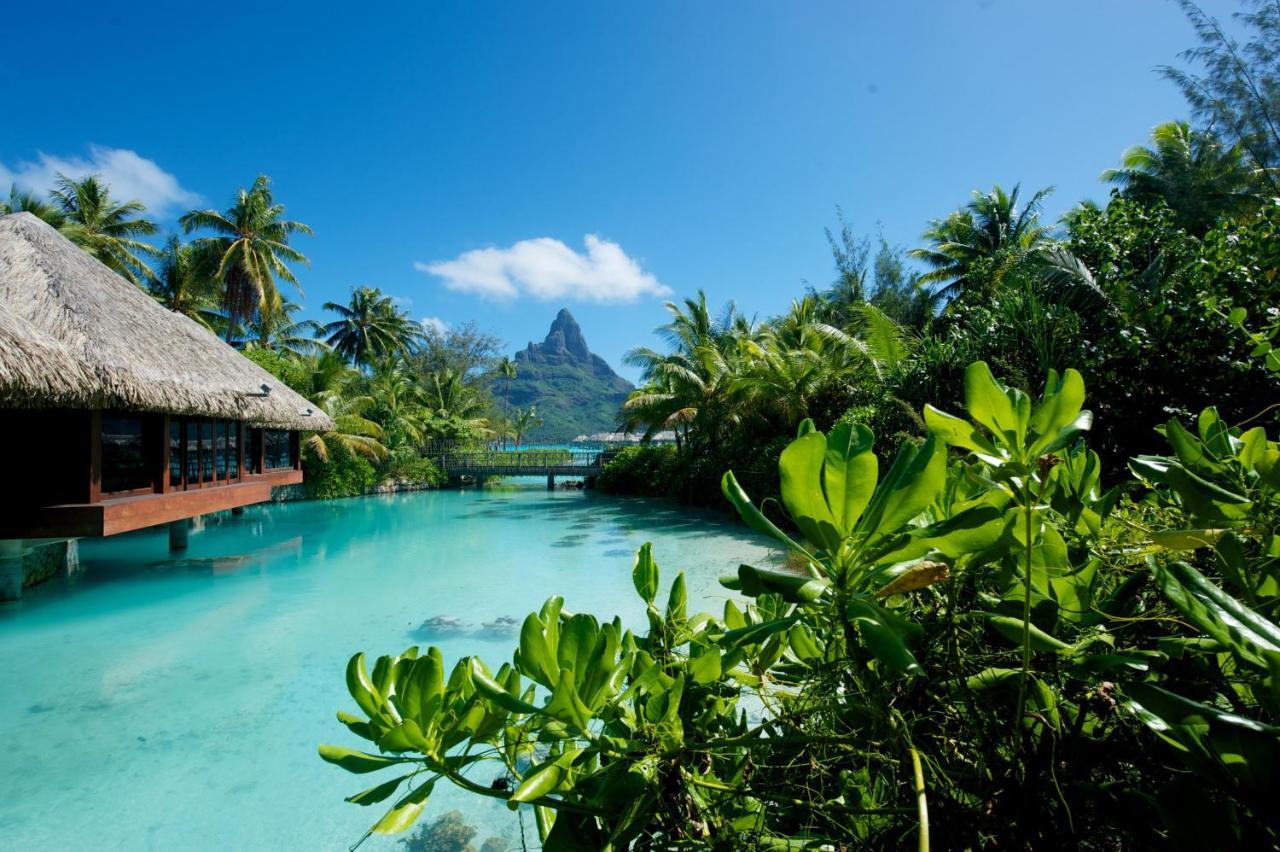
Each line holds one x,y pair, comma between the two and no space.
576,392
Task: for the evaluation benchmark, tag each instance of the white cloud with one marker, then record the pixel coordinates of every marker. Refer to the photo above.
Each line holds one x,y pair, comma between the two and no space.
434,325
547,269
129,175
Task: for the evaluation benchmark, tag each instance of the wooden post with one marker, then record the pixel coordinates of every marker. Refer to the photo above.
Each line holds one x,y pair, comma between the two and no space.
162,483
178,532
94,494
551,482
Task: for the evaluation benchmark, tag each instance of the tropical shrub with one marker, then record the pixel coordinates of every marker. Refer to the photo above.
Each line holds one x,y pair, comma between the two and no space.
343,474
989,649
645,471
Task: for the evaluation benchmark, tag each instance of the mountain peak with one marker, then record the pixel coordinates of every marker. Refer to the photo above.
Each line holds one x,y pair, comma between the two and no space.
576,392
565,337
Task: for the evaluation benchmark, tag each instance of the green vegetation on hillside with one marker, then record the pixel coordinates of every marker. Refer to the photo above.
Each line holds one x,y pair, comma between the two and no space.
575,392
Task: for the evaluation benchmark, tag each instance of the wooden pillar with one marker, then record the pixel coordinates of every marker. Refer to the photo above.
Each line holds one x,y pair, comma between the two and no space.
240,436
295,449
162,475
551,482
178,532
94,494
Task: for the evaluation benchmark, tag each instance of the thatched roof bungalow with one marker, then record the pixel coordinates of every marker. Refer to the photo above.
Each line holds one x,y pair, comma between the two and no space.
117,413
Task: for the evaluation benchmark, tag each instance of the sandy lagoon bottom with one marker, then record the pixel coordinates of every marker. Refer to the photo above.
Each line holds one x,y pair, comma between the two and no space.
161,702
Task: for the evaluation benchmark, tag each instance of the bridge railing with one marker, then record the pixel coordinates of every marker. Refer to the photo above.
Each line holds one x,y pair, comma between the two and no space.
534,461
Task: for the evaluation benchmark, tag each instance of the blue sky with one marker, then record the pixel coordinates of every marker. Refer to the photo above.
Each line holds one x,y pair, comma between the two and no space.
625,151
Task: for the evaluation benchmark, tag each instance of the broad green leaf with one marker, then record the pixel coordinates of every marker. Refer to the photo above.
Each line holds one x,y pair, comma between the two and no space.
794,588
1248,634
361,687
494,691
678,600
705,668
1066,436
1185,539
800,470
882,637
356,725
405,812
753,517
1059,408
537,656
1190,451
644,574
1012,628
958,432
1244,750
990,677
543,779
1206,500
988,402
849,474
911,485
357,762
803,643
378,793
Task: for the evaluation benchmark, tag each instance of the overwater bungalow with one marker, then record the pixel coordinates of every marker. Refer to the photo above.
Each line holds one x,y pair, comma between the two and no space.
120,414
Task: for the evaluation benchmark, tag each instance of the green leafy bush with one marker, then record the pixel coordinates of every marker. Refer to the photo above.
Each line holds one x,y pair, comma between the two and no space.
345,474
646,470
986,648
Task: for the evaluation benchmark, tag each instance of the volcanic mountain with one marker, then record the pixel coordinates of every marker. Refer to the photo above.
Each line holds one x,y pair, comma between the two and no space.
575,391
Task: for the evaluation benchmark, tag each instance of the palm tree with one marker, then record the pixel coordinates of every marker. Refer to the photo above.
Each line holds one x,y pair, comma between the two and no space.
978,243
370,327
1191,171
523,422
274,327
251,245
692,380
330,383
507,368
104,227
399,404
456,407
21,201
183,284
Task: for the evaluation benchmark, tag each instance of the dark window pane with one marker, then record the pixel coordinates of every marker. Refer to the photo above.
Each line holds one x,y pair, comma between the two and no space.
278,449
175,452
206,451
221,441
233,456
255,449
193,452
124,466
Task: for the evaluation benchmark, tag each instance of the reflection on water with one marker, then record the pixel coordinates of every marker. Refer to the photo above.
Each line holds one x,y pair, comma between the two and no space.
177,701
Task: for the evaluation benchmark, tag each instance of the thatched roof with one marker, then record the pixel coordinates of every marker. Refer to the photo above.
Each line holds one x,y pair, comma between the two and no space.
73,334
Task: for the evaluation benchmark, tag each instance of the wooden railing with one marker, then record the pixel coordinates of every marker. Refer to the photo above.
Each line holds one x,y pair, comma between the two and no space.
522,463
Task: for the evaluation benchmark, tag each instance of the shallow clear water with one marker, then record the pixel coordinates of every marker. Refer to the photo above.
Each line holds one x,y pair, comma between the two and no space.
156,702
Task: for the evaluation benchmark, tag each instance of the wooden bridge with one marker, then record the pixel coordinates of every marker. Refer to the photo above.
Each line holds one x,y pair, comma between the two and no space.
576,464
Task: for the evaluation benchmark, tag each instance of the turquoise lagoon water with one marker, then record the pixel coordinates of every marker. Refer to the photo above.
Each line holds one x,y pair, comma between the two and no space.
162,702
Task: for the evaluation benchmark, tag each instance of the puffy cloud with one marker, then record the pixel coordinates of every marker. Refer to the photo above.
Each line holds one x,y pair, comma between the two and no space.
434,325
547,269
129,175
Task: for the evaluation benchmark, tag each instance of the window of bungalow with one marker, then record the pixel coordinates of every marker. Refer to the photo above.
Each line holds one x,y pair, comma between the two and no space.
193,452
220,443
124,463
233,443
206,451
175,451
278,453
